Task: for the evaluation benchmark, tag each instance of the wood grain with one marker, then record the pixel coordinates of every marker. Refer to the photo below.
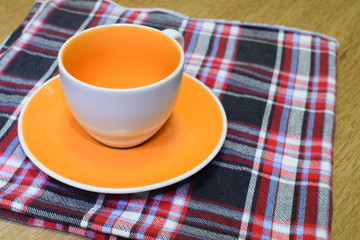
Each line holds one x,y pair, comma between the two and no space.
339,19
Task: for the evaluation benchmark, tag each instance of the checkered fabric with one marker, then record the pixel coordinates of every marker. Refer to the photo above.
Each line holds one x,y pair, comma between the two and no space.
272,179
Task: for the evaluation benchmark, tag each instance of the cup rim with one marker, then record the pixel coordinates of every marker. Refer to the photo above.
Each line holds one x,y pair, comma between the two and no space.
63,70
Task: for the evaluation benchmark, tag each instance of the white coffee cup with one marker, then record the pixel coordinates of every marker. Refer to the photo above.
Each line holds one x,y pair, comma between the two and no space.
121,81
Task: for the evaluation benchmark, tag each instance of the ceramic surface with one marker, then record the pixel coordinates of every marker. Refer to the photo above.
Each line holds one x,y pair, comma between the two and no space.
58,145
96,67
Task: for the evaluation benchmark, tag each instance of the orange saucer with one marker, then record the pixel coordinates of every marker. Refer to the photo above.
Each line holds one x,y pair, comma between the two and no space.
57,144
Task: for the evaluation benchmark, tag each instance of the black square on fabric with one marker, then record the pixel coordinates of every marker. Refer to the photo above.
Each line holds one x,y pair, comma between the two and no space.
67,19
28,65
222,185
13,37
262,53
244,109
3,120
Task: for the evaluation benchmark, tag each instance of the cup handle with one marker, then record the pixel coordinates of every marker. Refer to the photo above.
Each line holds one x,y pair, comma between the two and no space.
175,35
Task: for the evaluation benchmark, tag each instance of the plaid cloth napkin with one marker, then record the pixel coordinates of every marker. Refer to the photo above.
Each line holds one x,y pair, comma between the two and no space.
271,180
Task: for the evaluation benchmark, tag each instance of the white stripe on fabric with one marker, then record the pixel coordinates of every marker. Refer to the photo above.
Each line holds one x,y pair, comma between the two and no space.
262,134
86,219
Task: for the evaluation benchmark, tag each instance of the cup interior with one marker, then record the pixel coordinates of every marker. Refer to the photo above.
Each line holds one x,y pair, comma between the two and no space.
121,56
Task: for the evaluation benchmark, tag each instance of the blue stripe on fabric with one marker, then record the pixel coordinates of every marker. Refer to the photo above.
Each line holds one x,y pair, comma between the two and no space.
215,47
192,43
299,230
126,16
271,201
18,180
151,216
14,143
155,209
118,211
180,199
152,208
58,226
308,143
134,207
219,29
55,49
140,234
16,89
90,234
22,81
9,104
37,185
107,12
270,204
290,90
7,155
266,231
237,84
114,215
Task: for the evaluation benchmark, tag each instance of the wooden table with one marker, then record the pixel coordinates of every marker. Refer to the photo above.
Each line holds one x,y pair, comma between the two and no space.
339,19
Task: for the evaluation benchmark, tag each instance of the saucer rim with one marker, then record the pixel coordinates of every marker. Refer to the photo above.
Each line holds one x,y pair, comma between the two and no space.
111,190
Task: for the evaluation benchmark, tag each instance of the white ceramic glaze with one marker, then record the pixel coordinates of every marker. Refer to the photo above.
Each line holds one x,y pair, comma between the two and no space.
123,117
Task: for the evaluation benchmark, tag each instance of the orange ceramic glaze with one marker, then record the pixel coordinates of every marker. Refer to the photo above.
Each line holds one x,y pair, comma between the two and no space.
121,57
57,141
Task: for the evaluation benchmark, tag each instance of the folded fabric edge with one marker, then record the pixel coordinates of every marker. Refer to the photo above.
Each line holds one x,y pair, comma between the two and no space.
44,223
42,4
243,23
180,15
4,42
35,10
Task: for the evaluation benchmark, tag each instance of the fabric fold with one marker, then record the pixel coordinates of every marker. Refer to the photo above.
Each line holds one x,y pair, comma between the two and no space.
272,179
